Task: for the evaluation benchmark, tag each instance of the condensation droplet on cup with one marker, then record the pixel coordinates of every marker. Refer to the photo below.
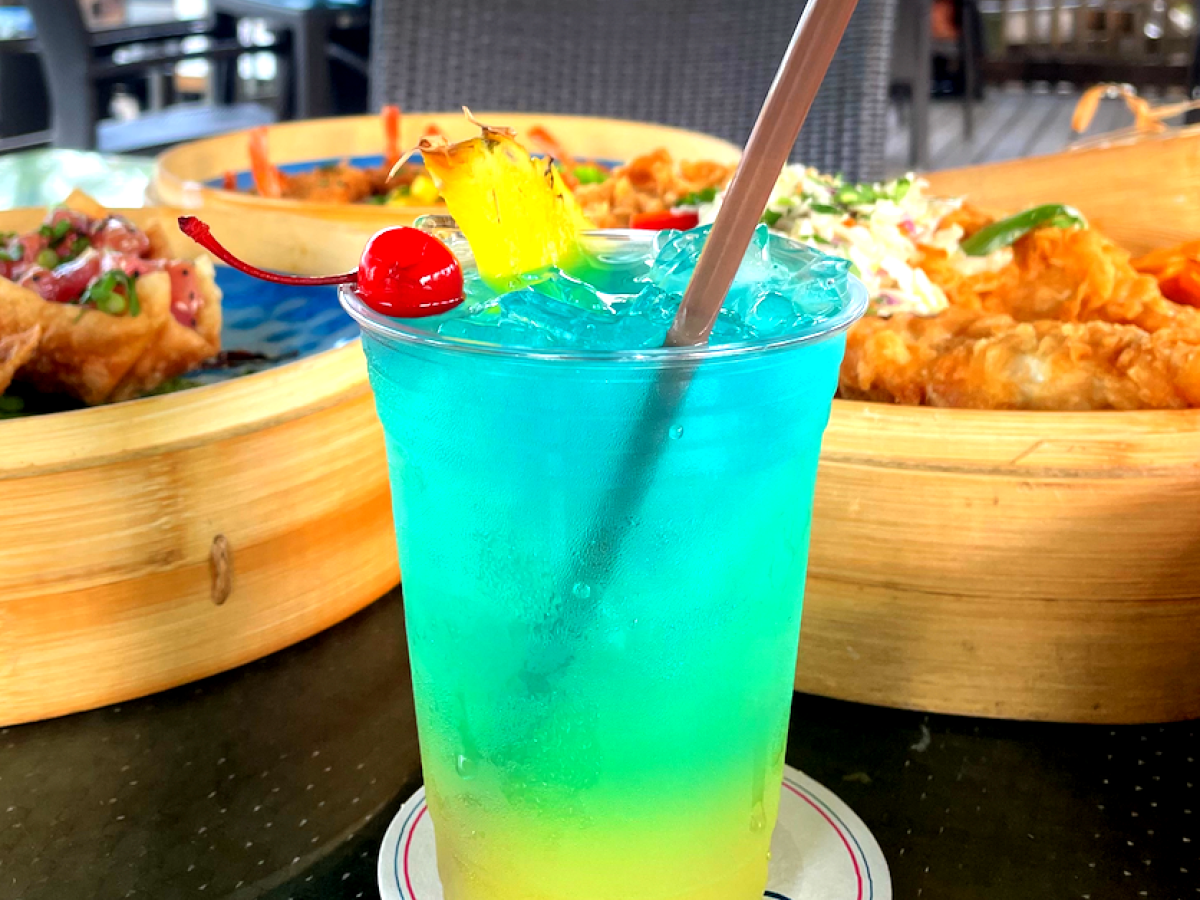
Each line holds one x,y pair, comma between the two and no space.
758,817
581,590
676,432
465,766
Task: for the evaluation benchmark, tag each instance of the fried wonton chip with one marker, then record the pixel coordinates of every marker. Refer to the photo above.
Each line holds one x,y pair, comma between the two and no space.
82,352
174,348
100,358
15,350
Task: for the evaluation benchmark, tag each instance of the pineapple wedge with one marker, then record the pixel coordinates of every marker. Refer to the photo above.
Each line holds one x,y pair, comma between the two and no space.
516,212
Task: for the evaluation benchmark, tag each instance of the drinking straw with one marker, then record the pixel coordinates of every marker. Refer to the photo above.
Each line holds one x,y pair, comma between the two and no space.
791,96
808,56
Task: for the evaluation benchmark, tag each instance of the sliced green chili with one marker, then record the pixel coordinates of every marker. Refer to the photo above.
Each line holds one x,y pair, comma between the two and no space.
1008,231
590,175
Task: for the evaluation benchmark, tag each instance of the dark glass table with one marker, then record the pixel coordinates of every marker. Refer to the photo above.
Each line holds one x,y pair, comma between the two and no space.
279,779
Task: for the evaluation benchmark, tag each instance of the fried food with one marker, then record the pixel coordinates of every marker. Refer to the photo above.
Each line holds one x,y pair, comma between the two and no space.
84,353
1070,275
337,183
1177,271
975,359
1068,324
112,320
651,183
175,348
15,350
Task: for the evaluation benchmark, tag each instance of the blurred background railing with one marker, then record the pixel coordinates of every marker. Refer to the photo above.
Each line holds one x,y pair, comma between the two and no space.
1140,42
977,81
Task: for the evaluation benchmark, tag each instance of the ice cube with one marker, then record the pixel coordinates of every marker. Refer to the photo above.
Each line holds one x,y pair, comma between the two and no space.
573,291
764,310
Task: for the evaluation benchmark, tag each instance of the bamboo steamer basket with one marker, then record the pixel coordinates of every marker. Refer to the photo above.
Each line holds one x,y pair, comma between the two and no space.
187,175
1010,564
154,542
1019,565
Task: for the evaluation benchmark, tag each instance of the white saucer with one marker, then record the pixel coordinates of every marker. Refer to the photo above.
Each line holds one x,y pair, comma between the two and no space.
820,851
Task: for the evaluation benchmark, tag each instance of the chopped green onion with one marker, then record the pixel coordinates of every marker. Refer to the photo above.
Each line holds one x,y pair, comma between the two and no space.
695,198
856,195
903,186
590,175
171,385
377,199
47,259
56,232
131,296
79,245
113,304
98,292
13,254
102,291
825,209
771,217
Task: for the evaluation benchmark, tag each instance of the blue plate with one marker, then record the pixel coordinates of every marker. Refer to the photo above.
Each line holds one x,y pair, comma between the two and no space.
280,322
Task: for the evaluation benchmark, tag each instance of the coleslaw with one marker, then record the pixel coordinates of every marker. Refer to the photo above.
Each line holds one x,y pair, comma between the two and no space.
880,228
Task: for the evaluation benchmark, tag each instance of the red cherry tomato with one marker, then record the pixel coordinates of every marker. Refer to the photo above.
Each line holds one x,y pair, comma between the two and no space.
407,273
661,221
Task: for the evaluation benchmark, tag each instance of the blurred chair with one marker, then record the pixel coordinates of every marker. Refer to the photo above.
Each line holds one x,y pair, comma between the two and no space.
699,64
311,24
76,62
913,50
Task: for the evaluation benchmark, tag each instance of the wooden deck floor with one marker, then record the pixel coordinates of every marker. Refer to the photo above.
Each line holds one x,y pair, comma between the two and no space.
1009,123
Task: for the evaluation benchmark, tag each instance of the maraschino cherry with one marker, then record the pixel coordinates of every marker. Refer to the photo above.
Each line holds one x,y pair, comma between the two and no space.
403,272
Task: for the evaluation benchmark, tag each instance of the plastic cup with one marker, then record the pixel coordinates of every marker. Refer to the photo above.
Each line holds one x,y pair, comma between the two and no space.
592,738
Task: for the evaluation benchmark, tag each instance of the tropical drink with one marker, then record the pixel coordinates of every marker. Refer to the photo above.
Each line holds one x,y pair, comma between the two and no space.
603,541
607,722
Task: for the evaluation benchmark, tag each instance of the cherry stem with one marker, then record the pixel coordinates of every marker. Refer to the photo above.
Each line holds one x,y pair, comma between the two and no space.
202,235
